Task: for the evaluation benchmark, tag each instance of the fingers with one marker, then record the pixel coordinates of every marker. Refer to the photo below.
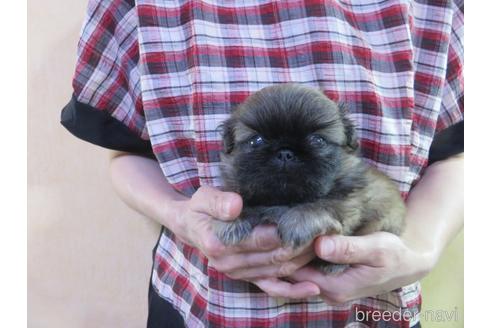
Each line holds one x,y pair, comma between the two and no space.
316,277
263,238
235,258
218,204
278,288
334,289
255,249
276,270
373,250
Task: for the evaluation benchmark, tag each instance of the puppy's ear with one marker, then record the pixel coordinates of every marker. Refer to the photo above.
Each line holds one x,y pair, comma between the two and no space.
349,127
227,131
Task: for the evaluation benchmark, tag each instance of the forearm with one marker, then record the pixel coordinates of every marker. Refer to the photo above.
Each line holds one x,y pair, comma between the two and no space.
435,208
141,184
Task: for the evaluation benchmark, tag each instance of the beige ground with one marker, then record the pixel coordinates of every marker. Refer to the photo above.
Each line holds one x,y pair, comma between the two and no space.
88,255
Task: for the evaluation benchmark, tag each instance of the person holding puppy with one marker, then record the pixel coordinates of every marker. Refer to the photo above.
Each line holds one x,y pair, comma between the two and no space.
155,79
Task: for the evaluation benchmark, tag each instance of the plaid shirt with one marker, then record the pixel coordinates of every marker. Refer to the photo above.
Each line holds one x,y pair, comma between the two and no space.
172,71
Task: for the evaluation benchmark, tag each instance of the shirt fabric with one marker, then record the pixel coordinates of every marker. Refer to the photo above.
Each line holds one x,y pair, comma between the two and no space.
170,72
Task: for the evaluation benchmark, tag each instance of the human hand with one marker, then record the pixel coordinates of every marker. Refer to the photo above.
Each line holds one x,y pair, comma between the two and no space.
379,263
259,259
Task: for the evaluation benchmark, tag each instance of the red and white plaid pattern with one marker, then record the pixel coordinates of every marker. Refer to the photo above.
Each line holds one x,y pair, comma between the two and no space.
172,71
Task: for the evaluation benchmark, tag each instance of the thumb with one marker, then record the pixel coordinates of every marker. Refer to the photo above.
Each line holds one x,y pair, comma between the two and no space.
218,204
351,249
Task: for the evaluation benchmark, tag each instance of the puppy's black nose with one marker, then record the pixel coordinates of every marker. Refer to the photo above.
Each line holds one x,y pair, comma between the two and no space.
285,155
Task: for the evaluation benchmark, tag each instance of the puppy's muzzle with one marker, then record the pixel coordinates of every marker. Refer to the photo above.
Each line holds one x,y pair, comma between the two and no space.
285,157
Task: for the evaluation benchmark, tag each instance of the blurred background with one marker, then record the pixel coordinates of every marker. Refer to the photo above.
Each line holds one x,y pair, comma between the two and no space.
89,256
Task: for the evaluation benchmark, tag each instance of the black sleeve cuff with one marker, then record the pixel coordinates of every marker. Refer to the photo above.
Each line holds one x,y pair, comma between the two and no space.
100,128
447,143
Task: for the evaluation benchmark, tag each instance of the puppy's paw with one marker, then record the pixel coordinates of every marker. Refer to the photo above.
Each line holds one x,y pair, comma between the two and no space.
333,269
295,235
301,224
232,233
328,267
296,238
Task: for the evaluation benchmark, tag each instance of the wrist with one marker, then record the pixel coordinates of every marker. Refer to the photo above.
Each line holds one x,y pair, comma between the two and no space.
425,254
170,215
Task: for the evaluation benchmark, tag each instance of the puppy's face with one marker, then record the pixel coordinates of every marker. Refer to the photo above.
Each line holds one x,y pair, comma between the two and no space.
284,145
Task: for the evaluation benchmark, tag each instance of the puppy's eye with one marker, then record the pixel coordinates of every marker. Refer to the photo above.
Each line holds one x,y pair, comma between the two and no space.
316,140
256,141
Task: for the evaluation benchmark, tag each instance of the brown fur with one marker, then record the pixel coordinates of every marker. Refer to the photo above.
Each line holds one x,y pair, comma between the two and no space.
304,201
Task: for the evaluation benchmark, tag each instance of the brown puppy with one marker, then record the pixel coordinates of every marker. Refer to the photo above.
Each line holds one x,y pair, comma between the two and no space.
290,152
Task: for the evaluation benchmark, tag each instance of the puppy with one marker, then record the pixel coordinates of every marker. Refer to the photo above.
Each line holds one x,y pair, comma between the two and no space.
290,152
